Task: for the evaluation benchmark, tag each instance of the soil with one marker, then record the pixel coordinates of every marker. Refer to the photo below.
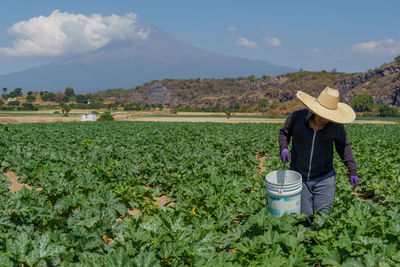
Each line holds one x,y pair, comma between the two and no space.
36,119
159,201
16,186
261,159
129,117
360,198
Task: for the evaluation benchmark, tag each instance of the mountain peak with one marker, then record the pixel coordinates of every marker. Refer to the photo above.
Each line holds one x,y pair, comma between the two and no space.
128,63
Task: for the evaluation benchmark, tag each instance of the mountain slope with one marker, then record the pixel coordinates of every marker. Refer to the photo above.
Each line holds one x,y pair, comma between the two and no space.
383,83
126,64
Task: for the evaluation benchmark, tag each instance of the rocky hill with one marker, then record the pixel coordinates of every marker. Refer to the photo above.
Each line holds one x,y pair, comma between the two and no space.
247,92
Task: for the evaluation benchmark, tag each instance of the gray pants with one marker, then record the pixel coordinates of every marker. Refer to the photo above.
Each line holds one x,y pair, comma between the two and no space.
317,194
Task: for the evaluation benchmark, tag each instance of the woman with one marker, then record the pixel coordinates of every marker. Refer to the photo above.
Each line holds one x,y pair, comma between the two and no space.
314,131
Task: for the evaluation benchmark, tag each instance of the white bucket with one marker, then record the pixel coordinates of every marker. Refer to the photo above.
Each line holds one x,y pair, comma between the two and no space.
284,192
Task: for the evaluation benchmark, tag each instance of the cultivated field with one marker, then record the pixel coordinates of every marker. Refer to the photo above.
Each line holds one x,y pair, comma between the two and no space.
154,193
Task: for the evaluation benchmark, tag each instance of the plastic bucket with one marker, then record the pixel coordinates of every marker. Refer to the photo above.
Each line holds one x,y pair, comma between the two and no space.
284,192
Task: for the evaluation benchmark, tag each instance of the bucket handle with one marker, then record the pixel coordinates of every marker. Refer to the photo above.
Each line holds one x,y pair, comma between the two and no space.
283,182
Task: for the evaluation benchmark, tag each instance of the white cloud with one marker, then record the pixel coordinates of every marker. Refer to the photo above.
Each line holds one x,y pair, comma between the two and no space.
244,42
388,47
231,29
63,33
275,42
316,51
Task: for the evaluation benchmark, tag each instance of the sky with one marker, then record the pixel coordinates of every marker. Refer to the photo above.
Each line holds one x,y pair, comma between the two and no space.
349,36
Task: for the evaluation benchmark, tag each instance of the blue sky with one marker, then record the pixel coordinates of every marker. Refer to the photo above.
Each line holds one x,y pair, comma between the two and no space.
351,36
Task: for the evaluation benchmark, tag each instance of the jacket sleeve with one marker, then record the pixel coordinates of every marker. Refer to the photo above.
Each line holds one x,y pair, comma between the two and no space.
285,133
345,152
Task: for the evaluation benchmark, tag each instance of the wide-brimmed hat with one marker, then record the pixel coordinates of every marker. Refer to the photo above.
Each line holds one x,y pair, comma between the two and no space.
327,105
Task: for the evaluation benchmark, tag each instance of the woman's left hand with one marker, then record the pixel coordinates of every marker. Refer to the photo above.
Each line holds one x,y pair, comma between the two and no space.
354,180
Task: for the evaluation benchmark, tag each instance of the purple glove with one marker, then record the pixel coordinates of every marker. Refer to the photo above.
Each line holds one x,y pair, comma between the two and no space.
285,156
354,180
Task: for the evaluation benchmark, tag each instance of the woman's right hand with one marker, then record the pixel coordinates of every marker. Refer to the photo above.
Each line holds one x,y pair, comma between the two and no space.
285,156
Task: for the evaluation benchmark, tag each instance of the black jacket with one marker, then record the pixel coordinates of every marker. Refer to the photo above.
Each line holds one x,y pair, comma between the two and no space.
312,151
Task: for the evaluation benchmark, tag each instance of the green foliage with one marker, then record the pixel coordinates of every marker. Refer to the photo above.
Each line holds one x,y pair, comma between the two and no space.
112,106
386,111
65,108
29,106
363,102
48,96
228,114
135,106
69,91
17,92
83,99
92,105
274,105
106,116
92,173
263,104
30,98
397,59
251,78
13,103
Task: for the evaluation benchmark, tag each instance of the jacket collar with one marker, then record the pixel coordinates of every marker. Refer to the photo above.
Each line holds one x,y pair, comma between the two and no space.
309,115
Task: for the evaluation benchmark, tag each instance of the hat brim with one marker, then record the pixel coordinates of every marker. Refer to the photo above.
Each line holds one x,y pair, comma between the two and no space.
343,114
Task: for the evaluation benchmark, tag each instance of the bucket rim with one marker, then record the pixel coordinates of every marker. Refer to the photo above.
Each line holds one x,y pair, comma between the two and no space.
286,184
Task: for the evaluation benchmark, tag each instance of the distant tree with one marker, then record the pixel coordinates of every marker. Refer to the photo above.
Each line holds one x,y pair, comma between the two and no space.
48,96
13,103
274,105
59,97
106,116
363,102
29,93
112,106
386,111
18,91
251,78
1,103
82,99
69,92
263,105
4,90
65,108
397,59
235,106
334,70
29,106
12,94
30,97
65,99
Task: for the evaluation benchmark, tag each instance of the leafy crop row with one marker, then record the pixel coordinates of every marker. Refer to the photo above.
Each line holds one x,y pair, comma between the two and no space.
92,173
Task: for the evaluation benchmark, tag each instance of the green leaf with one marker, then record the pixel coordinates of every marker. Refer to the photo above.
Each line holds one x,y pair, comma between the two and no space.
5,260
146,259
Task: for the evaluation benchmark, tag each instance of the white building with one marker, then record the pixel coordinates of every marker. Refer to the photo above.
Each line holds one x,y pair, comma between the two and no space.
89,117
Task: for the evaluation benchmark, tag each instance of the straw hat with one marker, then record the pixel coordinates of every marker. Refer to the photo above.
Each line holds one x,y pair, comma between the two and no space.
327,105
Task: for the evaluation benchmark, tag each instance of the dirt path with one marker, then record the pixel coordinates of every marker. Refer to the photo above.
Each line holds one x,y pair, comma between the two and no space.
36,119
210,119
125,117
